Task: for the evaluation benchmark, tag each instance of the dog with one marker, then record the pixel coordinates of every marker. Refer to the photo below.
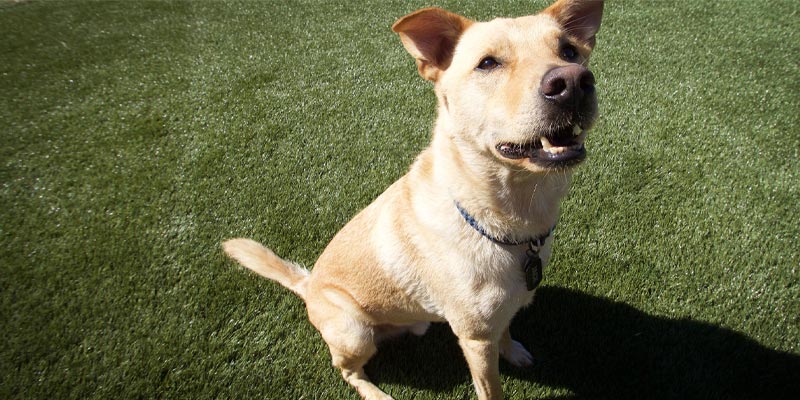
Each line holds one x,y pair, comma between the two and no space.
463,237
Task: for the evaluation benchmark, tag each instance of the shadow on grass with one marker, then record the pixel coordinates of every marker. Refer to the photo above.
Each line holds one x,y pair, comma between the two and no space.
600,349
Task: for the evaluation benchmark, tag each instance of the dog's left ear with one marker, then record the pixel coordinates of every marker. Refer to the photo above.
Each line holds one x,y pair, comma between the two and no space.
580,18
430,35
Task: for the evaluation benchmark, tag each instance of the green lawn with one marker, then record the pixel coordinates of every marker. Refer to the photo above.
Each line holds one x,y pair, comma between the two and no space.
137,135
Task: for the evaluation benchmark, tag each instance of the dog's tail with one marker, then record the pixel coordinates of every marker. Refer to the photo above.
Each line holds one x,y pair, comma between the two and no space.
264,262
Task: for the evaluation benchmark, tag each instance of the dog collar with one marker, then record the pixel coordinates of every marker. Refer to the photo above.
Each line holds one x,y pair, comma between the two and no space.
537,241
533,263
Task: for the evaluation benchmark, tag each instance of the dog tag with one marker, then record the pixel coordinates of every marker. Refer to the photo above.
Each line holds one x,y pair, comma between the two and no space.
533,270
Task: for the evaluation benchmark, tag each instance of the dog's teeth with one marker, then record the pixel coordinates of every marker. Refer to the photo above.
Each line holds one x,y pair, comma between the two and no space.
548,147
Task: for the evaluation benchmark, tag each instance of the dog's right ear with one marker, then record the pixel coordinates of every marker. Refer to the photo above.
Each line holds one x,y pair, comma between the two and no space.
430,35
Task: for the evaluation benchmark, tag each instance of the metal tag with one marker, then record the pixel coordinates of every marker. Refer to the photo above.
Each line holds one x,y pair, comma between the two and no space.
533,270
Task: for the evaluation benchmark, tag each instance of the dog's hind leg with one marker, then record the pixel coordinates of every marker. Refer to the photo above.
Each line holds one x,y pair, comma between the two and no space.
350,338
352,368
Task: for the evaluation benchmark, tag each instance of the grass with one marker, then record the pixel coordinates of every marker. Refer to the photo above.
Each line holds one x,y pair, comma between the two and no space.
138,135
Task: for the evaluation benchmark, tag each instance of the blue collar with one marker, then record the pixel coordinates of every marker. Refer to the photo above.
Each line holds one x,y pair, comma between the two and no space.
535,242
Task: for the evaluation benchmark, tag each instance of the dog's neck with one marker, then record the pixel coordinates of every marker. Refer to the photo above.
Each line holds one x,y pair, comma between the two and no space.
508,203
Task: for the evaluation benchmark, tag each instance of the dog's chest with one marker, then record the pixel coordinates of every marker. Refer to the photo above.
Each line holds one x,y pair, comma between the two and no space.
495,286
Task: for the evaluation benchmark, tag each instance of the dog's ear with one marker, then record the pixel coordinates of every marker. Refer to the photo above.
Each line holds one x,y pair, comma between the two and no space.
430,35
580,18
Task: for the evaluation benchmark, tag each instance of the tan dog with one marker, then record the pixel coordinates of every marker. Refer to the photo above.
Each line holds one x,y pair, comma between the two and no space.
462,236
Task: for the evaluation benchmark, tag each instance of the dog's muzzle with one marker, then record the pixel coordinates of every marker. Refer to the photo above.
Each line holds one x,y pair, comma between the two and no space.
571,105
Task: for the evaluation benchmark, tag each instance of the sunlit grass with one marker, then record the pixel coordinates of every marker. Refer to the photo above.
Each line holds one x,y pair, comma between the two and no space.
138,135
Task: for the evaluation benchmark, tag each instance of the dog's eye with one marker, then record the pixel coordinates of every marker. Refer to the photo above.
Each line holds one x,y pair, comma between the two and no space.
488,64
569,52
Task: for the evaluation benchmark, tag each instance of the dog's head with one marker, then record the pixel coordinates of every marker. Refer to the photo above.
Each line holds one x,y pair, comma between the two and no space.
517,89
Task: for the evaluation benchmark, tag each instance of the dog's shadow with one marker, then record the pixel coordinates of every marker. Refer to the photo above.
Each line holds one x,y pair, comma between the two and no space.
600,349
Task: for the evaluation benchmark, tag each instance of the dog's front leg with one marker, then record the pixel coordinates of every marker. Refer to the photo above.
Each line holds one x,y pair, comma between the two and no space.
483,359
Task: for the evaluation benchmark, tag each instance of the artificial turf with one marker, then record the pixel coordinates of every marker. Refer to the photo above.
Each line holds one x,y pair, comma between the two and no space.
138,135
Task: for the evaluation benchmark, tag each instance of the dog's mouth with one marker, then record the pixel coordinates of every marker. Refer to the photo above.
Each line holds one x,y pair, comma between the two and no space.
559,148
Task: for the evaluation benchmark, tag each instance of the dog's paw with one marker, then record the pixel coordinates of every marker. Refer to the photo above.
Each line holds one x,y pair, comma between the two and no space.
517,355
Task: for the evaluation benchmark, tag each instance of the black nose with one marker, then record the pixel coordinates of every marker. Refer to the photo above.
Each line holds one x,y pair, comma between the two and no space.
567,85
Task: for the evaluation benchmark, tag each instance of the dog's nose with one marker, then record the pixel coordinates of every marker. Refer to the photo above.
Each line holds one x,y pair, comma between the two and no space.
567,85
